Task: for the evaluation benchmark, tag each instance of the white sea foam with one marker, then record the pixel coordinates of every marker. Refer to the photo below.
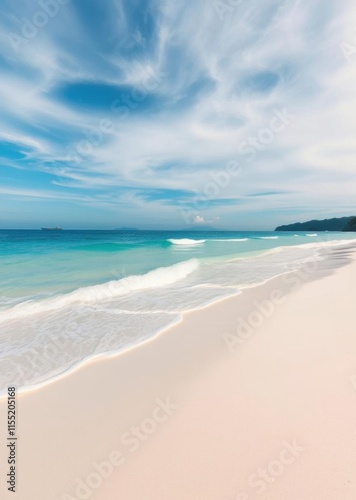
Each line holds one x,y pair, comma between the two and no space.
268,238
314,234
64,332
158,277
186,241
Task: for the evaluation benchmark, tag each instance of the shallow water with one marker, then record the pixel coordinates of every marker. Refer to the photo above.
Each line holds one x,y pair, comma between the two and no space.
72,295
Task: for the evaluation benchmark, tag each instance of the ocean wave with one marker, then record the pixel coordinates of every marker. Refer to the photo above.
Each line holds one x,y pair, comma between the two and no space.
268,238
159,277
79,326
314,234
185,241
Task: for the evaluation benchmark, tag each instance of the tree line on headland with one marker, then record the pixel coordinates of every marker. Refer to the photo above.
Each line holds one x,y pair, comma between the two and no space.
347,224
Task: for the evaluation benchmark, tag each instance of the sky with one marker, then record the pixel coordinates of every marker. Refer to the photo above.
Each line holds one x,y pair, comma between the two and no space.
161,114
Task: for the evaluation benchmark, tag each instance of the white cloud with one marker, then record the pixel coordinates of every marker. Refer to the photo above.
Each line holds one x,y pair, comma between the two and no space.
190,133
198,219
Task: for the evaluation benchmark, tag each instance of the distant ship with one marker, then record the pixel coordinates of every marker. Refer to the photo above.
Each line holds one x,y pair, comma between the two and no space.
52,229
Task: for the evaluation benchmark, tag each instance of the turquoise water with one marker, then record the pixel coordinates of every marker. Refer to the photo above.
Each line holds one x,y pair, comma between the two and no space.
68,296
35,264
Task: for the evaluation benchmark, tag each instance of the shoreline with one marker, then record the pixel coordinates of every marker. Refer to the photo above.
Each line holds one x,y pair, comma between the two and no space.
82,364
80,420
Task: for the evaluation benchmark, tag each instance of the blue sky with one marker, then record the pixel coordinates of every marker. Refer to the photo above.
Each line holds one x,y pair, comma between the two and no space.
239,114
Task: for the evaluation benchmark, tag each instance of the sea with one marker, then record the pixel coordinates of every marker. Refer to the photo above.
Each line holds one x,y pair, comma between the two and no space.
67,297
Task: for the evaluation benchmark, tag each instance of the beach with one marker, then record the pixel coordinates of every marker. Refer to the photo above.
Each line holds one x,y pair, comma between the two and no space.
177,250
253,396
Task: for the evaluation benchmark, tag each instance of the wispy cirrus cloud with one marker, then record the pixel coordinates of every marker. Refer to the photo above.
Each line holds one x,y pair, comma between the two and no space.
146,105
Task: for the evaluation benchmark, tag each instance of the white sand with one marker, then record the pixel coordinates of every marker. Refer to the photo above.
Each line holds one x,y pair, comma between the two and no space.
274,419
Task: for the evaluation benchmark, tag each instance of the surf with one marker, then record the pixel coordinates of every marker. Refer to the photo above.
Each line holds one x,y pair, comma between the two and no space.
185,241
156,278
